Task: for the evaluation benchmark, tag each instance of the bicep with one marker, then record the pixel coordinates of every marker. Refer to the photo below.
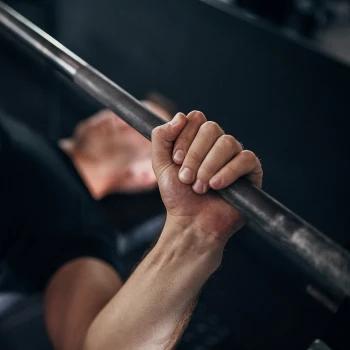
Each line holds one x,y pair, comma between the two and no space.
74,296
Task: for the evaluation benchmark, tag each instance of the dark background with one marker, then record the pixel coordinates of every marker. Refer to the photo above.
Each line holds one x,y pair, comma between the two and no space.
283,100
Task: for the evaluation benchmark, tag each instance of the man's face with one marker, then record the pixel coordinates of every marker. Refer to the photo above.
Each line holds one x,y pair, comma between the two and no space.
107,142
106,137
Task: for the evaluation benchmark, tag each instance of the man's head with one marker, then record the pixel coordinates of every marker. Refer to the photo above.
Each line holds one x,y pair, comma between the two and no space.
110,155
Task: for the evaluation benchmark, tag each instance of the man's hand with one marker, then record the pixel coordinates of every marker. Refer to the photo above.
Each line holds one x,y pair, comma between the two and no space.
192,155
153,307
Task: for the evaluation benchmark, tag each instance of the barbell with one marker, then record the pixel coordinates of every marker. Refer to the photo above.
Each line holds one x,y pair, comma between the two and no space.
310,248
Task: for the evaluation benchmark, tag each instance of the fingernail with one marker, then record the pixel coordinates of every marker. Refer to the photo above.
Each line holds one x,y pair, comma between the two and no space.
179,156
175,120
198,186
186,175
215,181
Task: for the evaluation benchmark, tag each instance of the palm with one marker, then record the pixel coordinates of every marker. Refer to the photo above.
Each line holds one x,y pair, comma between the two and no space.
209,212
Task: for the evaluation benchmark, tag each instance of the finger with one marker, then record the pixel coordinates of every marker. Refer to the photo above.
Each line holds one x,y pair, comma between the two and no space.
206,137
163,138
225,148
244,164
185,139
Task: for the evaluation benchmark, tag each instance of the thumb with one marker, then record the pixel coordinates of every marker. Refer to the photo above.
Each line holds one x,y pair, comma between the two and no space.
163,138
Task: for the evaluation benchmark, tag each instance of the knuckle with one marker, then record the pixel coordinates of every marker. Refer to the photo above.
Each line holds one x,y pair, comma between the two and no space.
211,127
260,174
249,156
197,116
239,144
159,132
205,172
229,172
194,157
183,139
228,141
156,131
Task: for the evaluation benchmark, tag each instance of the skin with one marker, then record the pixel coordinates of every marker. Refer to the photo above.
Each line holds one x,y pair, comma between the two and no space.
86,305
110,155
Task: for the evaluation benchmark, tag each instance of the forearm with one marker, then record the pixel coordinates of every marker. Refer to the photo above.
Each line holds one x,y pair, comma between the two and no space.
149,311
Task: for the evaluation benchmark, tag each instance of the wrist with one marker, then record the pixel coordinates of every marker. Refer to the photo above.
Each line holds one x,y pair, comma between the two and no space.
182,239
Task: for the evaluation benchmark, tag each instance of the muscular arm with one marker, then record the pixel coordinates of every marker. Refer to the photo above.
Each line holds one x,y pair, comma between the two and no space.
149,312
151,309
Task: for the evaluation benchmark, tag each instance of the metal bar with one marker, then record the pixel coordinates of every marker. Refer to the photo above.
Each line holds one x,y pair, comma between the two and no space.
313,250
